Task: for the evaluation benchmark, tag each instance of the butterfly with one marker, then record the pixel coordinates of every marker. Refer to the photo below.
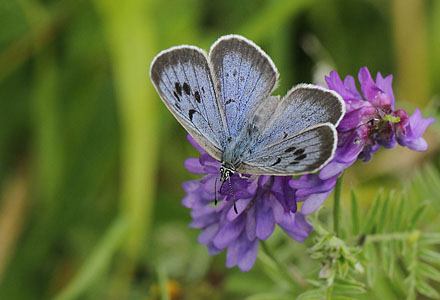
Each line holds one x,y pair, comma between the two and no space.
223,99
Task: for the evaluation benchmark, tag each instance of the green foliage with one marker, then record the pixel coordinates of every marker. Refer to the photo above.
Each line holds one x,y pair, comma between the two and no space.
390,248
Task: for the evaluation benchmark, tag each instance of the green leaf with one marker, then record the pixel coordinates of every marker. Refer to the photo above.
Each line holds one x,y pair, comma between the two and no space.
370,254
416,216
398,221
269,296
429,256
427,290
350,282
383,213
338,297
399,216
387,254
428,271
372,215
354,214
348,287
430,238
312,295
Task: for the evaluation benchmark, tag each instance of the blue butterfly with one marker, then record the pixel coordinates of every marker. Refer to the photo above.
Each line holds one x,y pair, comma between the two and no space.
223,99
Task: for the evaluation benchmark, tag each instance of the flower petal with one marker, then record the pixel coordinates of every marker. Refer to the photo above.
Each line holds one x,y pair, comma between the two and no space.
368,87
296,226
228,232
312,202
265,219
385,84
194,166
208,234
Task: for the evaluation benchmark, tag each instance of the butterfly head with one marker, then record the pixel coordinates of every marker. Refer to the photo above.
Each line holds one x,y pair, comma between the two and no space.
225,173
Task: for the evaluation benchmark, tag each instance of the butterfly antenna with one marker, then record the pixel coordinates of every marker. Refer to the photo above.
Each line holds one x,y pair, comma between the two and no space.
233,196
215,190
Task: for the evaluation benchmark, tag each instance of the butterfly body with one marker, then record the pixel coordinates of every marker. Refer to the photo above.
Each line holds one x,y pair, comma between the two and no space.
223,100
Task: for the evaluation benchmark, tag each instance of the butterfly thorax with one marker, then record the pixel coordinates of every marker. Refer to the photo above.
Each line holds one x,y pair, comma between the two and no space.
230,163
234,152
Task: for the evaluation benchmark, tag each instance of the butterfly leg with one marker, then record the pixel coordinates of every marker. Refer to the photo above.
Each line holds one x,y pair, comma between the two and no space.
233,196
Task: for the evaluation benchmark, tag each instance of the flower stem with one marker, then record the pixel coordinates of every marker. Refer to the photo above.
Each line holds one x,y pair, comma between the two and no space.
337,206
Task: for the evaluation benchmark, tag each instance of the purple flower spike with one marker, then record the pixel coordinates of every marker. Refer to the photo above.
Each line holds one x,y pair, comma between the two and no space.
370,121
261,201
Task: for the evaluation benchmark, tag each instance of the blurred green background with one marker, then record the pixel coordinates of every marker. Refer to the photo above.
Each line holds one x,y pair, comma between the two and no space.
91,161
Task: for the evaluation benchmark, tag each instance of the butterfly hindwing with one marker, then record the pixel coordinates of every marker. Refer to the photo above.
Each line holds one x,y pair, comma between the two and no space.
243,76
305,152
304,106
305,119
183,80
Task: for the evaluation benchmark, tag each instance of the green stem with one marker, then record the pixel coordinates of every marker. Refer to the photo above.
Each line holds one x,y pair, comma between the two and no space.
328,294
337,206
95,266
163,278
281,267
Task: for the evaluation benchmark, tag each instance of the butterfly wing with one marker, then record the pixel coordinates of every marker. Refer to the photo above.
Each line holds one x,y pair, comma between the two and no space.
305,152
243,76
300,137
182,77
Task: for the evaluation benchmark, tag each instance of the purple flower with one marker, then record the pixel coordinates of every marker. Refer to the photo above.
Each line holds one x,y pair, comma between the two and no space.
261,201
370,121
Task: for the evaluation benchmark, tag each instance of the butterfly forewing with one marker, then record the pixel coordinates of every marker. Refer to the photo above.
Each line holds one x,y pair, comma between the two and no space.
183,80
243,76
303,153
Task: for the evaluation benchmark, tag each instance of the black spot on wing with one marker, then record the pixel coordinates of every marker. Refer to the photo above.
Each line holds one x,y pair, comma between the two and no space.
178,88
234,73
277,162
191,113
290,149
299,152
285,135
177,96
197,96
294,162
186,88
177,106
301,157
229,101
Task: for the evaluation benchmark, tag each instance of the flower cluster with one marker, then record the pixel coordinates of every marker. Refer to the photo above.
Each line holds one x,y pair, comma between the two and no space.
261,201
264,201
370,121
